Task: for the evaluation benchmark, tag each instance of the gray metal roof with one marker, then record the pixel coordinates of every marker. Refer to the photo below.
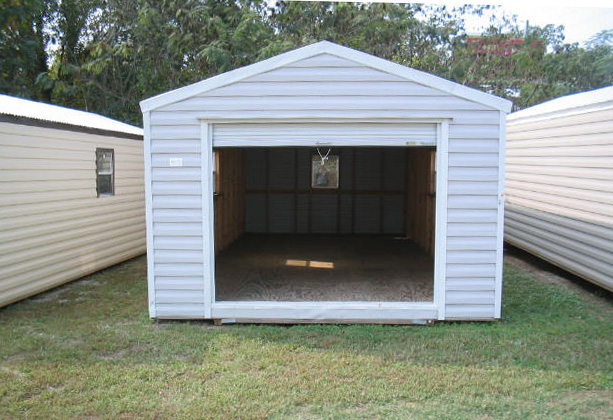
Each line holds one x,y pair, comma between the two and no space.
575,101
32,110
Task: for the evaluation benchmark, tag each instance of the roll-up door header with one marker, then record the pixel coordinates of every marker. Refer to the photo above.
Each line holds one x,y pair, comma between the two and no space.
314,134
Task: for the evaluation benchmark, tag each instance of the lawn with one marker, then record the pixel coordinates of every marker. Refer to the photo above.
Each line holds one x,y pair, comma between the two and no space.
89,351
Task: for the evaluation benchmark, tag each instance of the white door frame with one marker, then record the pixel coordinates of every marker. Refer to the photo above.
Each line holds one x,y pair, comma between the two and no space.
322,311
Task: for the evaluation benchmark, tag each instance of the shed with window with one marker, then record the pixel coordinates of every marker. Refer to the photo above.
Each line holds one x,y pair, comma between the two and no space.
71,195
325,185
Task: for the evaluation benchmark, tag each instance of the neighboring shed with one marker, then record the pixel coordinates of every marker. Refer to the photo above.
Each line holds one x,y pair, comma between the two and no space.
72,198
560,183
325,185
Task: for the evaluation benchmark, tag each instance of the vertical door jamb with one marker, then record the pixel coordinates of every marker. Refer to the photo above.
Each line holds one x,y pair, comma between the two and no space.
149,215
208,217
440,224
500,218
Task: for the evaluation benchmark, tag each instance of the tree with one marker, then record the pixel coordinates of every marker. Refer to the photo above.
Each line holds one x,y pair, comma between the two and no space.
572,69
139,48
107,55
22,46
409,34
377,28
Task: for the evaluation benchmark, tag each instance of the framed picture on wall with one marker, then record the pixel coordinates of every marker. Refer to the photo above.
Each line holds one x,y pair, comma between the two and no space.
324,171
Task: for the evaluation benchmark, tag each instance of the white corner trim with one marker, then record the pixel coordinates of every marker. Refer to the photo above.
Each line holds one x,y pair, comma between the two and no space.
440,232
500,219
208,217
149,215
325,47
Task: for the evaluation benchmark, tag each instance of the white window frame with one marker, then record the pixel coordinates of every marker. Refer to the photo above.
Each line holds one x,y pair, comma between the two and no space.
328,310
111,172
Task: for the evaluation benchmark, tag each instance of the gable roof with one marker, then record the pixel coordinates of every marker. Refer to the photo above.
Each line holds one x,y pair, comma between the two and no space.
326,47
28,112
573,103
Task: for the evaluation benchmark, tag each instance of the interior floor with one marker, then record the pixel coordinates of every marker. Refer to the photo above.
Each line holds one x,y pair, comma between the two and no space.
323,268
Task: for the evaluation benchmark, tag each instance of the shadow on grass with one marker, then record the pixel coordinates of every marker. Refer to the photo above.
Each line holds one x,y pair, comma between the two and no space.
556,275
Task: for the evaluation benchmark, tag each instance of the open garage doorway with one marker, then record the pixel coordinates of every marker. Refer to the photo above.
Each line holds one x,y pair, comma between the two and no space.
341,224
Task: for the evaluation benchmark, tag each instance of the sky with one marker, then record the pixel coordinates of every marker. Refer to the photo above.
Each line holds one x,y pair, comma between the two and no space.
580,23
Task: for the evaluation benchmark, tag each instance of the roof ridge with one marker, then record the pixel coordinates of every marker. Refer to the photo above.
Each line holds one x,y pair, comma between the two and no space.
58,114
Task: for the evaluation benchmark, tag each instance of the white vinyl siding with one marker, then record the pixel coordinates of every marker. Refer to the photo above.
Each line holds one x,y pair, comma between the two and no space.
327,86
54,227
176,223
559,189
472,219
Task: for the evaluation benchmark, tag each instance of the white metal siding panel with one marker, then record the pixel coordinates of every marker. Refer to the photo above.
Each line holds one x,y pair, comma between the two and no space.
164,117
54,227
327,86
331,103
324,49
472,220
569,243
559,191
177,263
340,88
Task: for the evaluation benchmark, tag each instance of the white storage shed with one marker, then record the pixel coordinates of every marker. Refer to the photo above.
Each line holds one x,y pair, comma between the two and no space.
325,185
560,183
72,198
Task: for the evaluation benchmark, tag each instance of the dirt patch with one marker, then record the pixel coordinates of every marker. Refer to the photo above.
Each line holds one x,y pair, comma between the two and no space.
600,403
122,353
12,371
90,282
50,296
159,327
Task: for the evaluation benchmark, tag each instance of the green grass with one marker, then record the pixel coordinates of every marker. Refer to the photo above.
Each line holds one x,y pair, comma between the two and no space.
89,351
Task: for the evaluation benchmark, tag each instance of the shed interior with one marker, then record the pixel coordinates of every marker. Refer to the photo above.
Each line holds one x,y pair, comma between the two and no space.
362,231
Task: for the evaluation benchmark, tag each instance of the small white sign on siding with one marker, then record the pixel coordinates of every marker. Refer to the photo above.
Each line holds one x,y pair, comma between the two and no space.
176,161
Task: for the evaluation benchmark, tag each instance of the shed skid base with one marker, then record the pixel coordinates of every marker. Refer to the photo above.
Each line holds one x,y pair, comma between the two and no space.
221,321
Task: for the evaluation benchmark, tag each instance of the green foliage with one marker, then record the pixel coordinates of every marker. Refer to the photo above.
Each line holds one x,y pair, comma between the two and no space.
107,55
145,47
22,46
377,28
571,69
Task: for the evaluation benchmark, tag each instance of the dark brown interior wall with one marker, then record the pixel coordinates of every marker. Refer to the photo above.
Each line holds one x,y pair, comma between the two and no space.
421,197
419,202
370,198
230,197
